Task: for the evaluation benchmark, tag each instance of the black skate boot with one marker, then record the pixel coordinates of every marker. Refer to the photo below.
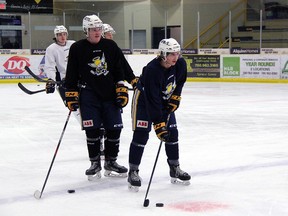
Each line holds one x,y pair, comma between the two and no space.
93,172
113,169
134,180
178,176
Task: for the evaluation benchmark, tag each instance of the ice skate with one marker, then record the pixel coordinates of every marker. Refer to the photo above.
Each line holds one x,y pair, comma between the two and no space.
93,172
134,180
113,169
178,176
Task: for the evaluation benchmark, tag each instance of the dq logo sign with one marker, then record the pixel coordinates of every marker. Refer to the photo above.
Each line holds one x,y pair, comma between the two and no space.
16,65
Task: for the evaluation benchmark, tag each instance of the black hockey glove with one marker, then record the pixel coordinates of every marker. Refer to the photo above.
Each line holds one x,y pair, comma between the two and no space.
134,82
161,131
173,103
72,100
50,86
122,96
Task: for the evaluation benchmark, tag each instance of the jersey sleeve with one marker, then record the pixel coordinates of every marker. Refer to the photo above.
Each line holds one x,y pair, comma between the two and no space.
50,64
72,76
128,72
181,76
153,95
117,69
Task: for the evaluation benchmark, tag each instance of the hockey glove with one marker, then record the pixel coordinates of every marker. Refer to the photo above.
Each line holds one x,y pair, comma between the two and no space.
161,131
50,86
173,103
122,96
134,82
72,100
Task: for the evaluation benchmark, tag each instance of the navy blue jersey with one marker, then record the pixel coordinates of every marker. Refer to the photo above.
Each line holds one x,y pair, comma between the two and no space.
157,84
96,65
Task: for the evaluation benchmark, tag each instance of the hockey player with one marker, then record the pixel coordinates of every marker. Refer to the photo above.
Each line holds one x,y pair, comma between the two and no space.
108,31
56,58
95,82
129,76
157,96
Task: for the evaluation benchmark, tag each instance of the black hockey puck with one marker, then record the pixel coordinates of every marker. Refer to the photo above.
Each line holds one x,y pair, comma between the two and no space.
71,191
159,204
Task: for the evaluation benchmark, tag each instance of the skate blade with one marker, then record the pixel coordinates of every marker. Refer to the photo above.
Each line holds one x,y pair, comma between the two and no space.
133,188
95,177
180,182
113,174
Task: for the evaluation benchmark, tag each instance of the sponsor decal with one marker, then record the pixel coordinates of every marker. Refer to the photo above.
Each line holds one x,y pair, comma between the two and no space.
142,124
88,123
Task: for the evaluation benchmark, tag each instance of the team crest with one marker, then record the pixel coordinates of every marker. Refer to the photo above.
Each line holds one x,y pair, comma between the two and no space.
169,90
99,66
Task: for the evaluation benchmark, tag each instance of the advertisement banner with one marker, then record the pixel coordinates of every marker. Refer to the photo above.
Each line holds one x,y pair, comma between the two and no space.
245,51
33,6
284,67
280,51
15,52
12,66
250,66
145,51
204,66
213,51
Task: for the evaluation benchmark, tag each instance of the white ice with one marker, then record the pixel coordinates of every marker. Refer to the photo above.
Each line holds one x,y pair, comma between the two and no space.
233,142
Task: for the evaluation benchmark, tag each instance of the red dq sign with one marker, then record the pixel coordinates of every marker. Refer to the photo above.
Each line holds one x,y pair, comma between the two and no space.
16,65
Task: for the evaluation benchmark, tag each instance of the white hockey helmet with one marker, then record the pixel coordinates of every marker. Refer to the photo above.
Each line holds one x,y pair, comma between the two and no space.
168,45
91,21
108,28
60,29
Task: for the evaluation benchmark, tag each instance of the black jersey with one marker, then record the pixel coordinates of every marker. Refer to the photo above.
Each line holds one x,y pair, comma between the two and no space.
96,65
159,83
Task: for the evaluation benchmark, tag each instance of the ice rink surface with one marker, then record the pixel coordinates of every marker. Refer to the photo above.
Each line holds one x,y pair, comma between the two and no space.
233,142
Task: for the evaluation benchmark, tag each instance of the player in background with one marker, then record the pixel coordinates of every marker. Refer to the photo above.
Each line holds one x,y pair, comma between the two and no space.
155,100
95,83
129,76
56,58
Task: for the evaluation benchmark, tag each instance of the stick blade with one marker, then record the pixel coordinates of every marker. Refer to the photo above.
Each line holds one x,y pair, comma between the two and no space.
146,203
37,194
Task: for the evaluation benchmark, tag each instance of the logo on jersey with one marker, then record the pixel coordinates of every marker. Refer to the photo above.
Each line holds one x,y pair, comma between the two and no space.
88,123
169,90
99,66
142,124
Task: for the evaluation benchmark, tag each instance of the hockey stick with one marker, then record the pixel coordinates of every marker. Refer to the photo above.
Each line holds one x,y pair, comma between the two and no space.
39,79
27,91
37,193
146,201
